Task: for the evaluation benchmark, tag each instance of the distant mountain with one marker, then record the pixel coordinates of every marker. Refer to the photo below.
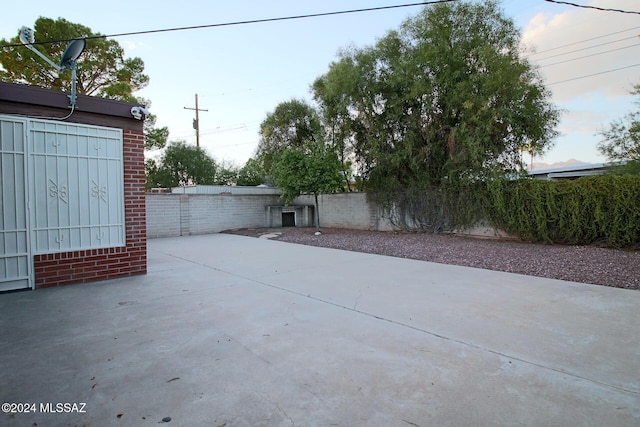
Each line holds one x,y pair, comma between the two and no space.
570,162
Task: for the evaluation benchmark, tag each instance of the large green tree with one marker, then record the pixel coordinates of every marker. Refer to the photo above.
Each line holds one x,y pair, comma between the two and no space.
331,94
226,173
292,151
180,165
311,168
103,70
446,98
292,124
621,141
251,173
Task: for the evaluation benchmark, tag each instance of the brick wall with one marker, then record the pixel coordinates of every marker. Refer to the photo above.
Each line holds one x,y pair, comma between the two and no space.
109,263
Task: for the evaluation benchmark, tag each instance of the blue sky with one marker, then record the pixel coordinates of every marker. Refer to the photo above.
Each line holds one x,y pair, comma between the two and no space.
241,73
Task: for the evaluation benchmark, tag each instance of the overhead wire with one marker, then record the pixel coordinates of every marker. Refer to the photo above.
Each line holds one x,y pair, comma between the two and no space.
602,9
583,41
587,56
594,74
252,21
586,48
590,56
371,9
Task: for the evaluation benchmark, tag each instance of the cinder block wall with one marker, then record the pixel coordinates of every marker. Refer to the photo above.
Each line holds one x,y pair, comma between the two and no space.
228,211
109,263
347,210
163,215
171,215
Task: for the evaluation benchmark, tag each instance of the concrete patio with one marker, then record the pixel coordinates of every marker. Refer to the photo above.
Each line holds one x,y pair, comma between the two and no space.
236,331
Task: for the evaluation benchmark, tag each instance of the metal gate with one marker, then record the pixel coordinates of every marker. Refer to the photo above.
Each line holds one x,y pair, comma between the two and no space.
76,187
15,257
62,190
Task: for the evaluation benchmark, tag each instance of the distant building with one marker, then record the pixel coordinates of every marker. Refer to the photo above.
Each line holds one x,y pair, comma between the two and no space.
569,172
225,189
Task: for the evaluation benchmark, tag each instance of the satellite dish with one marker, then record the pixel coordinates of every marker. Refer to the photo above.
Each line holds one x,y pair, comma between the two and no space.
71,53
26,35
68,61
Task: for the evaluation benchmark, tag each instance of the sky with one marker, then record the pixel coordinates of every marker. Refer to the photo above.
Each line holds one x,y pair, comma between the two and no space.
242,72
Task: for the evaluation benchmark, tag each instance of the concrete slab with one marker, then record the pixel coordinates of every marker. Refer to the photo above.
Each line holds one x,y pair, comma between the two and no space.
235,331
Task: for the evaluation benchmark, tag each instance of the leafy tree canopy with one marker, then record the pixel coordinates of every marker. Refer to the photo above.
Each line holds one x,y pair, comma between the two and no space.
445,98
308,169
102,71
251,173
226,174
181,165
621,141
292,124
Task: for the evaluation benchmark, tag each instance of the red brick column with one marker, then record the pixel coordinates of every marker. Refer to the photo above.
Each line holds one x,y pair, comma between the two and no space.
99,264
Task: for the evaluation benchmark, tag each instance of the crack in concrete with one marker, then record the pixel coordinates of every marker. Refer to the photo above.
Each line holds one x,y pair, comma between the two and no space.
229,337
277,408
415,328
360,295
455,340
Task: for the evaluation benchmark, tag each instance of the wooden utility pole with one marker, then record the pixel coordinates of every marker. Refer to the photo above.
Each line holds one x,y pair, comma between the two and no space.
196,122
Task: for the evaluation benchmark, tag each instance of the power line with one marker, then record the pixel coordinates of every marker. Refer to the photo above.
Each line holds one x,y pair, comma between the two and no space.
586,48
589,56
602,9
254,21
592,75
583,41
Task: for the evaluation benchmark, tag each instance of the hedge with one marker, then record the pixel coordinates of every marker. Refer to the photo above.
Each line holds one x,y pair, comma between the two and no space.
602,209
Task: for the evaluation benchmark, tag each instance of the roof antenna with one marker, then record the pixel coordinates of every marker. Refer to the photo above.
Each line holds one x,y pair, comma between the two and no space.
68,61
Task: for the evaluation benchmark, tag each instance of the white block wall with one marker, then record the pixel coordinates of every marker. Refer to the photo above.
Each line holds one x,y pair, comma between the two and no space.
347,210
171,215
163,215
212,214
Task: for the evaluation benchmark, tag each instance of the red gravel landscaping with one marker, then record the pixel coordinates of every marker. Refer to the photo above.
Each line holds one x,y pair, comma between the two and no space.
585,264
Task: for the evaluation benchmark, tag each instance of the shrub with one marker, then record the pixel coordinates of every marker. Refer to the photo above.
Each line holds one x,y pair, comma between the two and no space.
591,210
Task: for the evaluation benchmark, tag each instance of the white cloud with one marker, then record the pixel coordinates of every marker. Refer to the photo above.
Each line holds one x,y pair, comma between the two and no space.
129,45
580,121
556,39
566,48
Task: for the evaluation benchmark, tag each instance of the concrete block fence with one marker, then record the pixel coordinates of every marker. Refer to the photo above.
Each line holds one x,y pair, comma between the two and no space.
348,210
172,215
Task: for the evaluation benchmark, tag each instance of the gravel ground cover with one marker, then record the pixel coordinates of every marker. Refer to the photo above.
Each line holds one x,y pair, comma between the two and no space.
585,264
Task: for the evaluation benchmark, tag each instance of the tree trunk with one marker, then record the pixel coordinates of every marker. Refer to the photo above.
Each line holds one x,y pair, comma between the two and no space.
317,213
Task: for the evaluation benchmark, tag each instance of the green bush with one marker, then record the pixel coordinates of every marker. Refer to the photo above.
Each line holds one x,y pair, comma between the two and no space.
601,210
591,210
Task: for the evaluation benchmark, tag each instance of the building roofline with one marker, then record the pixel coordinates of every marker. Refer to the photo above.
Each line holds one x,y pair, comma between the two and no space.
38,102
573,168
